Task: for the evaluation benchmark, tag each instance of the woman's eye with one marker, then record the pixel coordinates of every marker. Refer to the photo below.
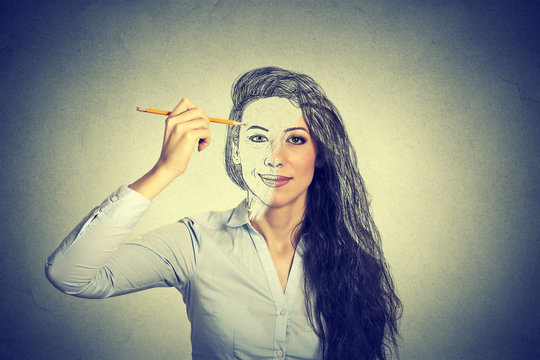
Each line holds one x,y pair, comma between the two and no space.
297,140
258,138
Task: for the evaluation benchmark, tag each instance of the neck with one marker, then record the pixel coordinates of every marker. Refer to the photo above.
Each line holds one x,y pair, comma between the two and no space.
277,224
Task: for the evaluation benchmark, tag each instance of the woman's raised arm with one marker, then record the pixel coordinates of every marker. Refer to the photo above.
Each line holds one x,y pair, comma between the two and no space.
186,127
85,263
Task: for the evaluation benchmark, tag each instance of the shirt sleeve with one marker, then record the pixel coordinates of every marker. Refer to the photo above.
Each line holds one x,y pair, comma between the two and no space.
94,262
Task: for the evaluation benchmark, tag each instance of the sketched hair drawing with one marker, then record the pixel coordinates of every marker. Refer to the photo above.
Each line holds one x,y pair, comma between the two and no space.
350,297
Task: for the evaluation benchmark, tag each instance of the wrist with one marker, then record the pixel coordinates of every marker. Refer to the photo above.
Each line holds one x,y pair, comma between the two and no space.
164,172
154,181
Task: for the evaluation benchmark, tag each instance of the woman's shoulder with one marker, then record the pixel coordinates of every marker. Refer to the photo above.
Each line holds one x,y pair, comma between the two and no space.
218,219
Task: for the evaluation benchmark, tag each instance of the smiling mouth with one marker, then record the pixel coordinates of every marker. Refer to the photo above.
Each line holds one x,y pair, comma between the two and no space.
274,180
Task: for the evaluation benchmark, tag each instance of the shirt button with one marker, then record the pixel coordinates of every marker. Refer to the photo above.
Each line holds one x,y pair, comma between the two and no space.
114,198
280,352
283,312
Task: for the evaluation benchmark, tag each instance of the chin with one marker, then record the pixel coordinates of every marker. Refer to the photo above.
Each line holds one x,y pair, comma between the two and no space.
279,200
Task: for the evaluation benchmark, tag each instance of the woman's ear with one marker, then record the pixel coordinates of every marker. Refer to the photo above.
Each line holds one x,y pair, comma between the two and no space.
235,155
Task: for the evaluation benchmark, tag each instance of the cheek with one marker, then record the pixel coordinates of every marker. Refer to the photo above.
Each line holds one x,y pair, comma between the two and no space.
304,162
253,154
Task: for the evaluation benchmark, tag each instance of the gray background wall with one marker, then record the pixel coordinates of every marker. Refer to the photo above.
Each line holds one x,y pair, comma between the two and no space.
441,98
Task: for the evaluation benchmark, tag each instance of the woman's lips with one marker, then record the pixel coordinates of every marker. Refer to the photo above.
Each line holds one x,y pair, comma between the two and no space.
274,180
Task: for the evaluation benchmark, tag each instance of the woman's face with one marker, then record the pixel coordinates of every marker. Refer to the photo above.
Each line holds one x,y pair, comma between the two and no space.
276,152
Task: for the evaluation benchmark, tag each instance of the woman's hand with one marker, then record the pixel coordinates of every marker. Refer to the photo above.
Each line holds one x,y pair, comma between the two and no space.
185,127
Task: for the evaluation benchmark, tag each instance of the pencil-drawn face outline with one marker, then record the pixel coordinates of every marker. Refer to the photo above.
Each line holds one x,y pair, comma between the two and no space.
276,153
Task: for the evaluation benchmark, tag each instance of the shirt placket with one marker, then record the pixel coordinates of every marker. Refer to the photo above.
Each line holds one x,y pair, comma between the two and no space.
280,332
281,307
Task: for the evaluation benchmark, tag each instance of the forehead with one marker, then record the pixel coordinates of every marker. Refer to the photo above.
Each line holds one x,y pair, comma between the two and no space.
274,114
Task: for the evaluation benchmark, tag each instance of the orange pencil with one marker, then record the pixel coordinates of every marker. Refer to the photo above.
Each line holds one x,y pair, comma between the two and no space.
164,112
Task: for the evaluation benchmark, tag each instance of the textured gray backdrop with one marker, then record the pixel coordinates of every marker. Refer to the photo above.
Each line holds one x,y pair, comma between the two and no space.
441,99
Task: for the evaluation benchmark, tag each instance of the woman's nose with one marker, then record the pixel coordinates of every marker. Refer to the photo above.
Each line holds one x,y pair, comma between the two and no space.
272,160
274,156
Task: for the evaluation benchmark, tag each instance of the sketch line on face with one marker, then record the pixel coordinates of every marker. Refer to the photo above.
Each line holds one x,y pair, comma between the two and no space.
276,146
268,124
257,127
258,208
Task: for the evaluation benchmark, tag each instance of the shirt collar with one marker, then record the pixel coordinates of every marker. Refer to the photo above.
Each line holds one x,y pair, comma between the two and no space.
239,215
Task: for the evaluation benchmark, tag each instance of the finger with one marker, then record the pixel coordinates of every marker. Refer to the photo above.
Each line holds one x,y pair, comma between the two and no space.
190,114
191,138
195,124
183,105
204,142
203,145
204,138
189,120
185,132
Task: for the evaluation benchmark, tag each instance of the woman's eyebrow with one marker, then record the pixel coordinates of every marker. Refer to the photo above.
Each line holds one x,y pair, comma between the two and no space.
257,127
296,128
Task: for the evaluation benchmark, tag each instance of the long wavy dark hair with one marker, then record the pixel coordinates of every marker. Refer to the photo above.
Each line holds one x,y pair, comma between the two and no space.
350,297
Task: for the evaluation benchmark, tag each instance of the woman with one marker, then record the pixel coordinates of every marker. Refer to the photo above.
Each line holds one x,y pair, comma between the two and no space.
295,271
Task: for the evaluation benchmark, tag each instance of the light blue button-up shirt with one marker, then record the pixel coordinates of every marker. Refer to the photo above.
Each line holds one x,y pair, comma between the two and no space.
217,260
